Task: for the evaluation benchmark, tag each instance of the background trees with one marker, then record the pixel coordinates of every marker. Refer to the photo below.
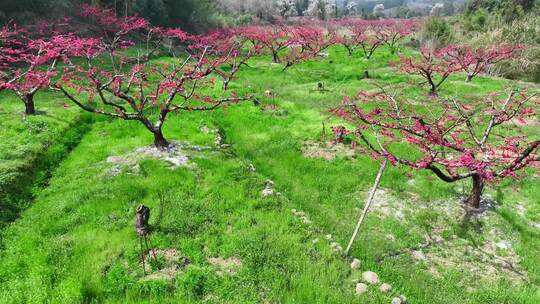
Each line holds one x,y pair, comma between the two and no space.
431,66
191,15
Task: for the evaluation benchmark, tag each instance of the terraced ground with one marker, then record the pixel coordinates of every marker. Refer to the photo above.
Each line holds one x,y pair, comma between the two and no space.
219,239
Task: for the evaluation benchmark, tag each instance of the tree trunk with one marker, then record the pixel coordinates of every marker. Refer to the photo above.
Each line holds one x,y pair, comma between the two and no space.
159,140
476,193
469,78
433,91
275,57
365,75
30,108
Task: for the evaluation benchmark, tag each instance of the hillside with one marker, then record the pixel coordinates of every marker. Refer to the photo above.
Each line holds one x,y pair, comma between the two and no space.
258,214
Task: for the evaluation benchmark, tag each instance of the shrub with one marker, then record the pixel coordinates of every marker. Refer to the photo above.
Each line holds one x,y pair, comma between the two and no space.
437,33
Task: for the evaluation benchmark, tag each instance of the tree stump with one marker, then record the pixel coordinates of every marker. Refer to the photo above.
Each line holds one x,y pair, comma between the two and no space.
141,221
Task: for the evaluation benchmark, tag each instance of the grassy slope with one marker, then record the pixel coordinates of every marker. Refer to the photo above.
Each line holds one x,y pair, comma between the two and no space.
32,145
76,243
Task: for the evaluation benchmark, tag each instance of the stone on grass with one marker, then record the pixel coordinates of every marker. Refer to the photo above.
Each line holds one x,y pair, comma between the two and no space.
503,245
328,236
418,255
305,220
268,188
370,277
385,288
361,288
390,237
403,299
355,264
397,301
205,130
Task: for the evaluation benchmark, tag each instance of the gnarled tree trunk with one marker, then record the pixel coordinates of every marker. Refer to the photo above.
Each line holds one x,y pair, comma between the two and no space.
275,57
30,108
159,139
476,192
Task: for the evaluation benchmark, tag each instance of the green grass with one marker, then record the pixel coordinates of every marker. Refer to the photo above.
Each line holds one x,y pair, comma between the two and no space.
31,146
77,243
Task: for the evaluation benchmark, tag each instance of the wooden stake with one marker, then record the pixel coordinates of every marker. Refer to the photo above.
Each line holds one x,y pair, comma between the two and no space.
366,207
142,256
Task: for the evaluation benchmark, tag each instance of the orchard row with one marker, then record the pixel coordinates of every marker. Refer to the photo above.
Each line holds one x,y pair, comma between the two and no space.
105,64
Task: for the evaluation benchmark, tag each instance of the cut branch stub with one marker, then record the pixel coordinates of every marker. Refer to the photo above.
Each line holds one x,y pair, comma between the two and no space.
141,222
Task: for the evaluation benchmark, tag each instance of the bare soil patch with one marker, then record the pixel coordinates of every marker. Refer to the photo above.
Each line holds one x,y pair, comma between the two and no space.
225,266
171,260
327,151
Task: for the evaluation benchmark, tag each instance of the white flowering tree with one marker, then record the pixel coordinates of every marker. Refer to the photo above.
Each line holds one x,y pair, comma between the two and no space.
350,8
287,8
437,9
322,9
378,10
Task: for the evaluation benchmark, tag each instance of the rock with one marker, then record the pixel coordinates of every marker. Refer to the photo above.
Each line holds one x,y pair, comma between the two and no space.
315,241
536,225
328,236
293,211
300,213
218,139
205,130
503,245
361,288
418,255
177,161
355,264
397,301
390,237
403,299
251,168
268,188
305,220
267,192
385,288
521,209
370,277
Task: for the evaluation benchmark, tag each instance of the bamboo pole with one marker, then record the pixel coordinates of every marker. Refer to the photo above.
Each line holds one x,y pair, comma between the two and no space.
366,207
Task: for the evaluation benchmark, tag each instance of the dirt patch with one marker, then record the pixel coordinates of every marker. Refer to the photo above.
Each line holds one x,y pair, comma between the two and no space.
175,156
274,110
327,151
169,263
227,266
386,205
480,245
487,262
